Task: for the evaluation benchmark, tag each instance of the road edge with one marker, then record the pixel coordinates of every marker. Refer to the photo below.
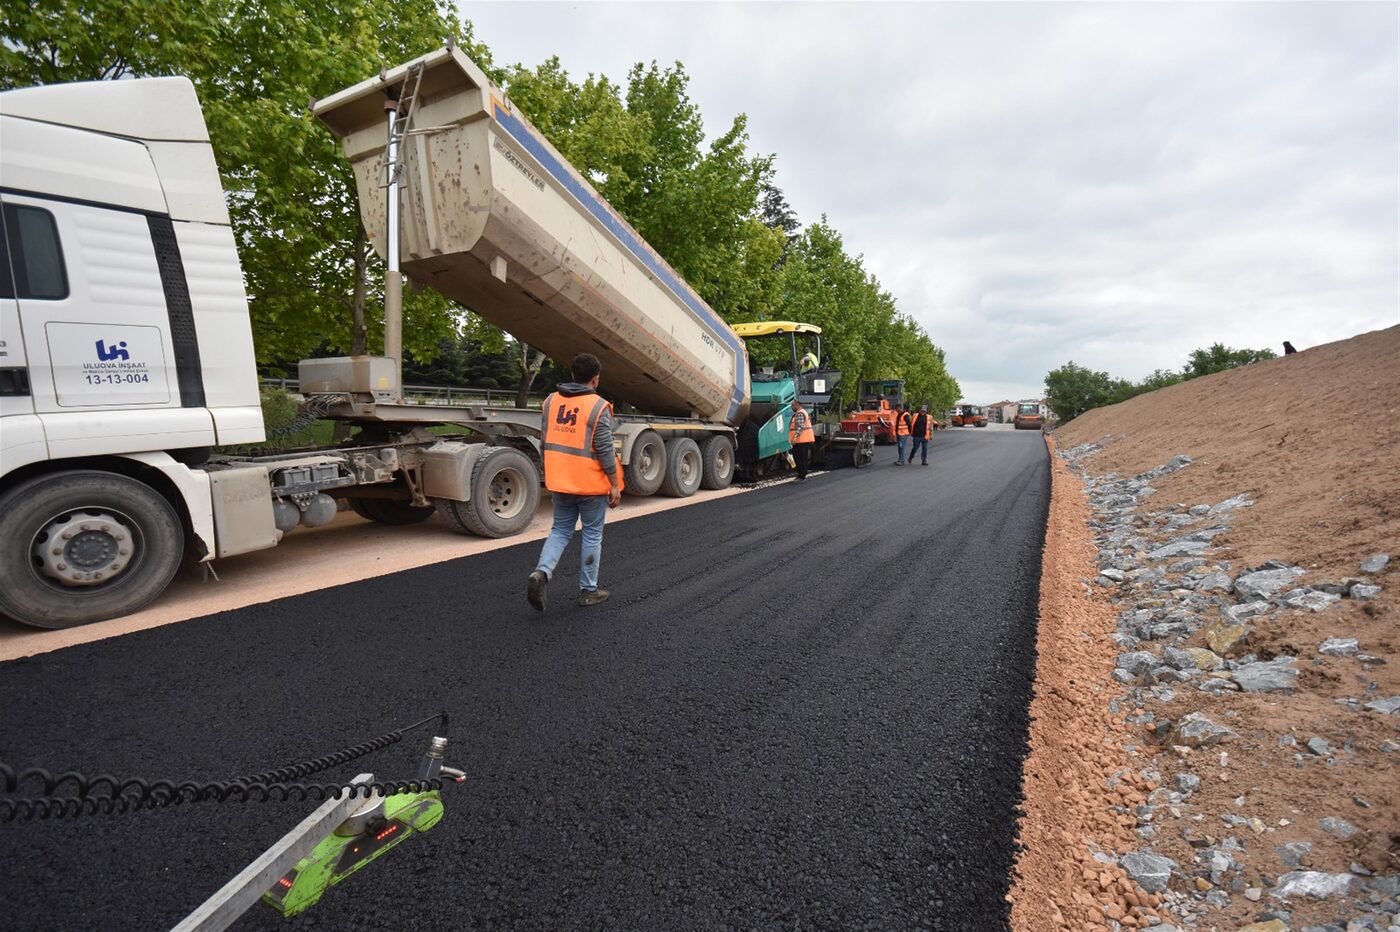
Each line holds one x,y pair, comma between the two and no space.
1078,787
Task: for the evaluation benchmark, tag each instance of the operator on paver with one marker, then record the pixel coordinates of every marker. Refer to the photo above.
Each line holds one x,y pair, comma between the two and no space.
801,436
923,433
809,363
584,477
901,432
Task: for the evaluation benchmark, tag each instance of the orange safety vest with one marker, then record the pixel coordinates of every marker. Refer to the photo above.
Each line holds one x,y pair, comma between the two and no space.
901,424
805,434
928,424
569,463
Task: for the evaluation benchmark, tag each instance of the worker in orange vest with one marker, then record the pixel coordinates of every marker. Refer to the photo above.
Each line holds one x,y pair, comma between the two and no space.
584,477
922,428
801,436
901,432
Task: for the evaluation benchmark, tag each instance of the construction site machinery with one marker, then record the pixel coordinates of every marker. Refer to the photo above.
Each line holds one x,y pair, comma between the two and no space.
969,416
126,354
818,389
1030,415
879,398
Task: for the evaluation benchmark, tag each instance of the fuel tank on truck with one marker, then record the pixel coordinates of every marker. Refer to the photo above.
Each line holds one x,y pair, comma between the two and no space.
496,219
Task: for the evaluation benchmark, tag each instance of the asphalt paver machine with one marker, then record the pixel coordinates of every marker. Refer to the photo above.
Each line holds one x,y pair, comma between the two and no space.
776,350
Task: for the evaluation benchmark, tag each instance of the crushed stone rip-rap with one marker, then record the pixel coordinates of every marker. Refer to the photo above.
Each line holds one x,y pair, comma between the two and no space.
1076,748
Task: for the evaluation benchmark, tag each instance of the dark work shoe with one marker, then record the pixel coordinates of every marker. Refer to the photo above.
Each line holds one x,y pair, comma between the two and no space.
537,590
592,596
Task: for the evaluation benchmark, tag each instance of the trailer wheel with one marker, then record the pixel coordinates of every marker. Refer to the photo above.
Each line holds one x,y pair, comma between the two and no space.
716,462
389,511
505,489
84,545
683,468
643,475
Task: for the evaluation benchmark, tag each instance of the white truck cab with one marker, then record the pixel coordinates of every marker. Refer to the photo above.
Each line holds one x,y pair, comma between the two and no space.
125,345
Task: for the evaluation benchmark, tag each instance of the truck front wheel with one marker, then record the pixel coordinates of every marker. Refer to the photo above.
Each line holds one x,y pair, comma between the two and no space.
84,545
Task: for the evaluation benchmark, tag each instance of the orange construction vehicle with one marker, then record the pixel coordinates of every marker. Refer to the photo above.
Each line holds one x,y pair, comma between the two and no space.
1029,416
969,416
878,400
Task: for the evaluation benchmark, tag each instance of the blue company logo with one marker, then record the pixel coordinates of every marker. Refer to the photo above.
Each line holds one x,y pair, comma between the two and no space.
117,352
566,416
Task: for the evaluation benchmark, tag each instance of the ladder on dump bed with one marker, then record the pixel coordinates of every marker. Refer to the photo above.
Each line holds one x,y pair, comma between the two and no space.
403,126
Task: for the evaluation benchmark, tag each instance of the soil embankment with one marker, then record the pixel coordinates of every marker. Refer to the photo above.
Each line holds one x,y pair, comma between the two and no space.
1218,650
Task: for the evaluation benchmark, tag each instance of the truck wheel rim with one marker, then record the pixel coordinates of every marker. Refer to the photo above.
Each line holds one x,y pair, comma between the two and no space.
507,495
724,460
690,469
86,547
650,466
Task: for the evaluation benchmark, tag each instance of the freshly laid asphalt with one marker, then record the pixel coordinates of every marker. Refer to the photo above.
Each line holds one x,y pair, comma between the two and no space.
804,707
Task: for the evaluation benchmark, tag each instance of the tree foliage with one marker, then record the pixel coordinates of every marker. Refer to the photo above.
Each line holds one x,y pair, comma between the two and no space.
255,64
707,203
1218,357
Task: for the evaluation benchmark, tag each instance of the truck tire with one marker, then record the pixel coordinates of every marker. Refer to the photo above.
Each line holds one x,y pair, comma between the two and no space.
683,468
390,511
716,462
505,490
124,543
646,469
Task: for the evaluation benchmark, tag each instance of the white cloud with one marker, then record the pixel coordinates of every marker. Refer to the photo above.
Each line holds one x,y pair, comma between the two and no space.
1111,183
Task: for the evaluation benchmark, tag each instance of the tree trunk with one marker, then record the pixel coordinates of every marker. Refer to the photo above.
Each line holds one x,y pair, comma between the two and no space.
529,368
359,330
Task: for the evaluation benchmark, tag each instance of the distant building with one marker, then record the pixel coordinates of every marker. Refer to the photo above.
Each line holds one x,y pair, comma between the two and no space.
1001,412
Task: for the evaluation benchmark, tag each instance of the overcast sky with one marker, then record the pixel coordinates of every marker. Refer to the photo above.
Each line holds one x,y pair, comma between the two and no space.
1114,184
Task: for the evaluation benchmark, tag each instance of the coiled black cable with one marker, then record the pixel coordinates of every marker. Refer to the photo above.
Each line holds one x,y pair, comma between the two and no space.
107,795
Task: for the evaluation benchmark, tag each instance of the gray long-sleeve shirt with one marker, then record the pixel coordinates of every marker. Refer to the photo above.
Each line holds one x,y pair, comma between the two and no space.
603,449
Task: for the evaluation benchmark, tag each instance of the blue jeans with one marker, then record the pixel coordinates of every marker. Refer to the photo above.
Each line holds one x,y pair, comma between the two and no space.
568,509
903,445
920,445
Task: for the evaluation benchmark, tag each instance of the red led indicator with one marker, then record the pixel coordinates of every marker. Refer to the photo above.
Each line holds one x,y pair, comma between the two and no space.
285,883
386,833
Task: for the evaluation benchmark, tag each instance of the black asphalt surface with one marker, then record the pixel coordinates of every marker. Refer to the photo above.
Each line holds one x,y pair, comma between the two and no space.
804,707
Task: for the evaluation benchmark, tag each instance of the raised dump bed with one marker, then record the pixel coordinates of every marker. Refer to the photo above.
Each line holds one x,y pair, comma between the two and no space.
495,218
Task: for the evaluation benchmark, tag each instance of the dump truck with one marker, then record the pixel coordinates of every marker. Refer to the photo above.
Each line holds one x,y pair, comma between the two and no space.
126,350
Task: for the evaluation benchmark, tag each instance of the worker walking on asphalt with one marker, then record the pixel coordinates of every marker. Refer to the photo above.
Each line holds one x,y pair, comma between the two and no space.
584,478
801,436
901,432
923,432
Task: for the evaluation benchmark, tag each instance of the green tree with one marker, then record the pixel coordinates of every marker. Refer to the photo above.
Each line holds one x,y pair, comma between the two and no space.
1218,357
699,207
1158,378
1073,389
255,64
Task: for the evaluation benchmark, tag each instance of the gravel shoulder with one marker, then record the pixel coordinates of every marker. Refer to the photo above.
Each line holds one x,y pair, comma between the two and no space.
1246,564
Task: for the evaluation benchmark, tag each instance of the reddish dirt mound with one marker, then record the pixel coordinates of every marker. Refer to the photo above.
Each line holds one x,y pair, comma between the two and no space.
1314,438
1314,441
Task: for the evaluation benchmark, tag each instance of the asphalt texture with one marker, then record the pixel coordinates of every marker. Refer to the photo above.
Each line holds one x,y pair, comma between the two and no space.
804,707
